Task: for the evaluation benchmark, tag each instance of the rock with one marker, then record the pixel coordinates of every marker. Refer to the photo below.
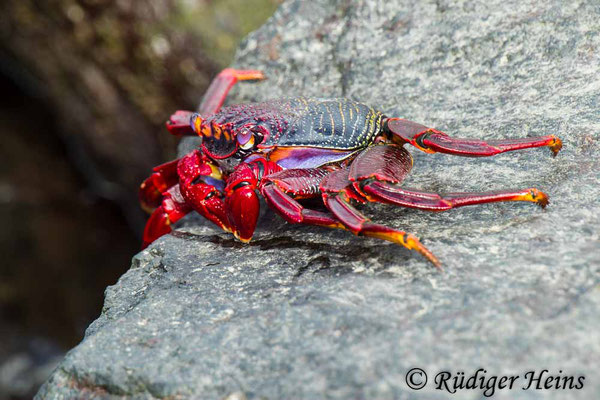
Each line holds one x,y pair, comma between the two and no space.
304,312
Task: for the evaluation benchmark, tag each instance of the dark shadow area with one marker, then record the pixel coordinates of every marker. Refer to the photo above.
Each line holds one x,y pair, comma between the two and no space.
61,245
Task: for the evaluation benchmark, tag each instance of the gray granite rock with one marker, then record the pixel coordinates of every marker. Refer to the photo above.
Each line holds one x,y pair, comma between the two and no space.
309,313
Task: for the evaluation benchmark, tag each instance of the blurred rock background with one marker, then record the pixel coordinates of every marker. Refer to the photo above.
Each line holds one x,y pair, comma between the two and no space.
86,87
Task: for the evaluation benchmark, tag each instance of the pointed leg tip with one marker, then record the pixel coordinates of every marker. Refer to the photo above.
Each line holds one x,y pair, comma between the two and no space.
436,263
259,76
413,243
244,240
539,197
555,145
255,78
433,260
250,75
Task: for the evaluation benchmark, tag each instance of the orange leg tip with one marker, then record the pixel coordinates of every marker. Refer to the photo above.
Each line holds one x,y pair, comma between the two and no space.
555,145
539,197
241,239
535,196
404,239
411,242
245,74
254,77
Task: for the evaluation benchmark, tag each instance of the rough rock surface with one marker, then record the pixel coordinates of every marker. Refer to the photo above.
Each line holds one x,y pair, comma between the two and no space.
304,312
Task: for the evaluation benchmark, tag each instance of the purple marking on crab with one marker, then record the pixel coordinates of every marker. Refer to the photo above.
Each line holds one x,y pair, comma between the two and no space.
217,183
308,157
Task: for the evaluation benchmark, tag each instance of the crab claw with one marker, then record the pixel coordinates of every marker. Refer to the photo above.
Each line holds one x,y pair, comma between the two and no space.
151,190
243,208
150,193
208,202
158,224
172,209
242,203
201,184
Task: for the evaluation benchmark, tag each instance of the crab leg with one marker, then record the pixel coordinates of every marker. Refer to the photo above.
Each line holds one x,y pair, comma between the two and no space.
219,88
301,183
431,140
358,224
335,189
345,216
377,172
337,193
294,213
179,123
388,193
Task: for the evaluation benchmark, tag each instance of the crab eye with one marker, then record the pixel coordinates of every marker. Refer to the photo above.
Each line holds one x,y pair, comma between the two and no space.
245,139
249,144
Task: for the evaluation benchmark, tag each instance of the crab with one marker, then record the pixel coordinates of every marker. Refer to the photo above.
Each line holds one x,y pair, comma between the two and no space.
290,150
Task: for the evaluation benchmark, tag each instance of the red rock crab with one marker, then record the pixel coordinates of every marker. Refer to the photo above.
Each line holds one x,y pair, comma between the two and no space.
288,150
